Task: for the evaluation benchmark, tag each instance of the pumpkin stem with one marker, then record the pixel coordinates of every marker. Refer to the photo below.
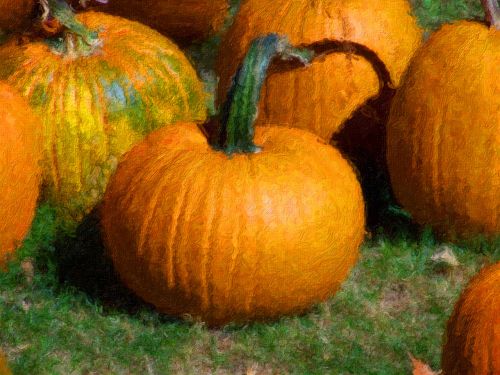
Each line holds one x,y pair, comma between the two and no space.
492,9
82,40
239,112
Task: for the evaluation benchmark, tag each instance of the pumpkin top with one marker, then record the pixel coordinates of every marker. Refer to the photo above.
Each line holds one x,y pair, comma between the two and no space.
369,26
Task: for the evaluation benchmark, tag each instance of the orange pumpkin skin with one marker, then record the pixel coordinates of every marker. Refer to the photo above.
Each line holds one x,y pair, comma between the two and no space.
319,98
15,15
253,236
20,154
472,342
444,133
182,20
4,368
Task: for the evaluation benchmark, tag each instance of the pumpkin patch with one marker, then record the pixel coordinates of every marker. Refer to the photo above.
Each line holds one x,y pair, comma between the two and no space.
236,234
20,173
96,101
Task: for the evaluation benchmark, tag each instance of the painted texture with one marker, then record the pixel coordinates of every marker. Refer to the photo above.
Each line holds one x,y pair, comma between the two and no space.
444,133
321,97
253,236
95,108
4,368
182,20
472,343
20,173
16,15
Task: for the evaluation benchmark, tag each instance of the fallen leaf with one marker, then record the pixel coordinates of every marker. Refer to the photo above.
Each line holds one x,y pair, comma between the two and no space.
28,270
446,255
421,368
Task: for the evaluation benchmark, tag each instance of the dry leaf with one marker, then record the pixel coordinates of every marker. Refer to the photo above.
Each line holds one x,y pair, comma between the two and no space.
421,368
28,270
446,255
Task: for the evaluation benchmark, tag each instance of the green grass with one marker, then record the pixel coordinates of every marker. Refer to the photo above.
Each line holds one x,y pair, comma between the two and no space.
72,316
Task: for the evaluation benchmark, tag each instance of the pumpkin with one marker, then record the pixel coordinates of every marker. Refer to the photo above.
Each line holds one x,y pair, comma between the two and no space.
183,20
444,132
20,173
365,52
472,341
232,231
96,97
16,15
4,368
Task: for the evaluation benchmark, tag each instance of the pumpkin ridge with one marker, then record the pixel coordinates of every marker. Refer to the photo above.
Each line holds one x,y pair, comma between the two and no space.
207,232
180,199
183,233
152,205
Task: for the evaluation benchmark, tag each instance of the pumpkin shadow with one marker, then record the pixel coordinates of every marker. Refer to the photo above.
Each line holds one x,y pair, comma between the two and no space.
82,264
363,142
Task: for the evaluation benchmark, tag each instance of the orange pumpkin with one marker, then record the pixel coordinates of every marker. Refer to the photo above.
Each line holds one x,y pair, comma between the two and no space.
16,15
371,43
472,342
20,174
236,234
182,20
95,100
444,132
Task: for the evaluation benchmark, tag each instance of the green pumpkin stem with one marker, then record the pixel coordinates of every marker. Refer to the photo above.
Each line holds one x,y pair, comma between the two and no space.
78,40
492,9
239,112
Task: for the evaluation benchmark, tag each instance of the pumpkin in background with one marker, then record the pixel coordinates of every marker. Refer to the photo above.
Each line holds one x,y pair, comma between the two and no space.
234,234
16,15
369,42
444,132
4,368
97,97
20,173
184,21
472,343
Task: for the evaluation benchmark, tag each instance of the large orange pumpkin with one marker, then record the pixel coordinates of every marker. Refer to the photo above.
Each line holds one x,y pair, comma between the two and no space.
16,15
370,42
20,173
97,101
444,132
182,20
472,343
242,233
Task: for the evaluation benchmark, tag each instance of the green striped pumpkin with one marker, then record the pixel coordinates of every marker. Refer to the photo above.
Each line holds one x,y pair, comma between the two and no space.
95,106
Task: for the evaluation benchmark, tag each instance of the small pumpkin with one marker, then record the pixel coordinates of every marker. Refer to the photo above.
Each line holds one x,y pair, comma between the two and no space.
20,173
16,15
472,341
184,21
233,231
443,133
371,41
97,94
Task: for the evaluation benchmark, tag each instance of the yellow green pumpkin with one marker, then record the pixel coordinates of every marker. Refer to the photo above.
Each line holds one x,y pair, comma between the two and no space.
97,94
